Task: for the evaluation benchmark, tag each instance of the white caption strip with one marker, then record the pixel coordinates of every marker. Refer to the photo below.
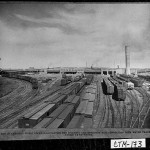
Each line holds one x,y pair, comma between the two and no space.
128,143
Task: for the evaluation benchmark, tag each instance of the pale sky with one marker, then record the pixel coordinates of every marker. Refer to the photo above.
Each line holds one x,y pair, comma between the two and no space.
71,34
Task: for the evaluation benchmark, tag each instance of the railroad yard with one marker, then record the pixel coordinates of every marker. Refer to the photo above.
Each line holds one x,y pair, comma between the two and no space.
75,101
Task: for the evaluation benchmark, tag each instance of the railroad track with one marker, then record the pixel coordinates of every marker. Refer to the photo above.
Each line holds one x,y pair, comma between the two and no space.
145,107
23,86
11,118
128,112
48,85
106,114
109,123
117,114
5,100
143,93
15,105
124,115
140,102
105,111
112,111
118,106
100,111
14,91
14,123
17,100
98,94
13,113
22,101
135,110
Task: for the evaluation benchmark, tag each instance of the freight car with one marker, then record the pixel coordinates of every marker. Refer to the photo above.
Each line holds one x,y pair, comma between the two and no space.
70,78
33,81
114,82
64,81
125,76
50,115
83,80
136,81
125,82
75,87
108,87
147,78
89,79
119,90
54,112
119,81
77,78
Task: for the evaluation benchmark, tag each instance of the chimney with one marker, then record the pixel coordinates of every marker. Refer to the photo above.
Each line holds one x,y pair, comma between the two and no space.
127,57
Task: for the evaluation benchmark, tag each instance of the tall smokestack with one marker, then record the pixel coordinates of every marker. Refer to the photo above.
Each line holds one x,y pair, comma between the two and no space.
127,57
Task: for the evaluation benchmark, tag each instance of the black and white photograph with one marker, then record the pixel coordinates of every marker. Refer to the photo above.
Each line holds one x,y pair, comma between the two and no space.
69,67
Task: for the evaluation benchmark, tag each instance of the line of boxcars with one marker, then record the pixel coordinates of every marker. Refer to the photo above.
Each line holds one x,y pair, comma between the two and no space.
125,83
67,79
117,85
112,87
55,111
33,81
145,77
135,80
83,117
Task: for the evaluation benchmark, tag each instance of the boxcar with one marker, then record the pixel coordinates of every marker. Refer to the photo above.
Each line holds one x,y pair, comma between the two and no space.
119,90
108,87
137,82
